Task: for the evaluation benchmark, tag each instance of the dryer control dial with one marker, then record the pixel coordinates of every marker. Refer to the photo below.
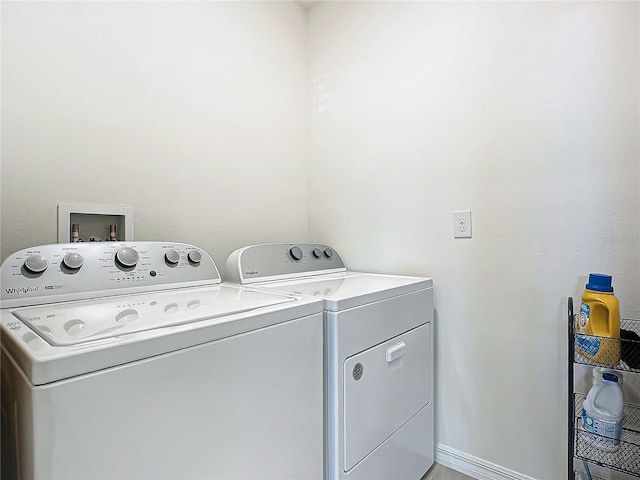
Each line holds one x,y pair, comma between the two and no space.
73,261
317,252
127,257
328,252
36,264
295,253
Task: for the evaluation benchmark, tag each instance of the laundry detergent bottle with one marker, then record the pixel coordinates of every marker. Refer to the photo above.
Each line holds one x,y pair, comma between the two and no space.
598,324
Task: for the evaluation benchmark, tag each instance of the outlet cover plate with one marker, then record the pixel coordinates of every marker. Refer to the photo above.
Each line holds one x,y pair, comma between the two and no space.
462,224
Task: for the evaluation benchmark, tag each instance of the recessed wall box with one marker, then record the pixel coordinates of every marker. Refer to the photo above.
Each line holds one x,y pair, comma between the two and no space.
94,222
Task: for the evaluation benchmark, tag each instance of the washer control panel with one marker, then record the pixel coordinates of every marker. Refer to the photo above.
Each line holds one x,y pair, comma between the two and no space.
275,261
74,271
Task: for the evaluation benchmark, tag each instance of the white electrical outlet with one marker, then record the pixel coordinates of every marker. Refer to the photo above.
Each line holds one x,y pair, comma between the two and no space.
462,224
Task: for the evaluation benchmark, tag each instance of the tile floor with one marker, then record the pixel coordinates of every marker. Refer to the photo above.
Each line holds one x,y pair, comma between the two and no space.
440,472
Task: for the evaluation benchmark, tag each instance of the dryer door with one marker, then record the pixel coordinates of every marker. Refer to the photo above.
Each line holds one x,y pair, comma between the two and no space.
384,387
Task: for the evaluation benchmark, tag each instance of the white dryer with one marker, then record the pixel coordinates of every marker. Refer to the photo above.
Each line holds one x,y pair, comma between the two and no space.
378,356
132,361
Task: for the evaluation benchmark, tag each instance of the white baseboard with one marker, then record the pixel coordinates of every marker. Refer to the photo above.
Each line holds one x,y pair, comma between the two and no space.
473,466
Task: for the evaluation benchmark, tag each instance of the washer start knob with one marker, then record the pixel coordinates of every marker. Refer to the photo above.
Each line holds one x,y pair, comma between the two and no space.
127,257
36,264
295,253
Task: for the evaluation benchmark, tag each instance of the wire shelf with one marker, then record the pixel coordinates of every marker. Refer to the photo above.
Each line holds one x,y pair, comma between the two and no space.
583,476
622,354
588,446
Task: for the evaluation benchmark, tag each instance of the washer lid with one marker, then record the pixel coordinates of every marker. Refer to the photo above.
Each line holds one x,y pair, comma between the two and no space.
350,289
49,344
80,322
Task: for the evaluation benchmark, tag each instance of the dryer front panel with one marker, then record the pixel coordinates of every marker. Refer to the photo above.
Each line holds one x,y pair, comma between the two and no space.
384,387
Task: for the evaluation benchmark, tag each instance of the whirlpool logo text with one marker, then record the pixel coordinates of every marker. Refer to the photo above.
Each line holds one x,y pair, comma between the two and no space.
21,290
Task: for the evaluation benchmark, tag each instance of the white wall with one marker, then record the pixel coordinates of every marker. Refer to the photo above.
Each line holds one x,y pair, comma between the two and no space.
527,114
193,113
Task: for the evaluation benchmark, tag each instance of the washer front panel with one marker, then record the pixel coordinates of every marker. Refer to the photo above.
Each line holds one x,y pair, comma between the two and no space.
246,406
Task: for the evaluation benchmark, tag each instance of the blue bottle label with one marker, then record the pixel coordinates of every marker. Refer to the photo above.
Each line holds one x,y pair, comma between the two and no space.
603,433
588,345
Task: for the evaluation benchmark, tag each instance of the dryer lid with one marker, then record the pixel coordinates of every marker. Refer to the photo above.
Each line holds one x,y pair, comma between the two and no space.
80,322
340,291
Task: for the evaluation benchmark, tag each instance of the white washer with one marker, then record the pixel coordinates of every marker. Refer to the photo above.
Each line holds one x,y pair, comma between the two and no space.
378,356
132,361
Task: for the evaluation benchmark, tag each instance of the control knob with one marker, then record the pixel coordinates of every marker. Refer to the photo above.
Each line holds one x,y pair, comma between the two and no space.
127,257
36,264
194,256
328,252
317,252
73,261
295,253
172,257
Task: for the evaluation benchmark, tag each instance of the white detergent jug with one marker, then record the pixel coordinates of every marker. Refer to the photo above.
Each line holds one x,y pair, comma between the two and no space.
603,411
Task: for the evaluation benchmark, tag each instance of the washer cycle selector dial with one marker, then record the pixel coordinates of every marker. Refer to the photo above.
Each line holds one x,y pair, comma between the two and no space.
317,252
172,257
36,264
73,261
328,252
127,257
295,253
194,256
